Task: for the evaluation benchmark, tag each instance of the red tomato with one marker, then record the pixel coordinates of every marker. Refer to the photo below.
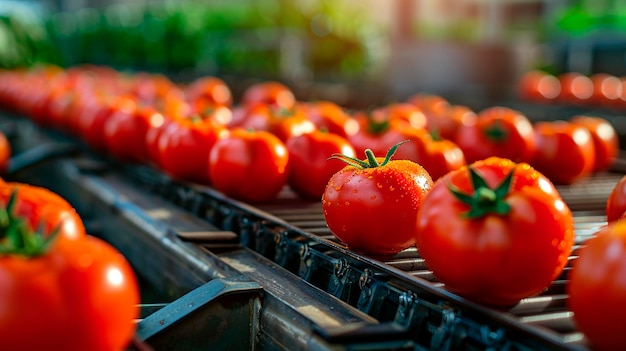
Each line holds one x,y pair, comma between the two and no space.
538,86
92,120
439,156
209,89
283,123
372,205
447,124
80,295
565,151
430,104
497,131
605,140
486,218
249,165
606,89
616,202
272,93
378,131
309,164
125,133
576,88
329,116
5,153
184,147
43,210
596,288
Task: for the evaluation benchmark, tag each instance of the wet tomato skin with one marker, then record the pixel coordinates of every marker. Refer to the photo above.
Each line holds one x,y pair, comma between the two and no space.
486,257
374,210
596,288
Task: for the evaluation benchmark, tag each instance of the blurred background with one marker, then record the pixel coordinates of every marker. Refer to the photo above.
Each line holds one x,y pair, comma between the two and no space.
355,52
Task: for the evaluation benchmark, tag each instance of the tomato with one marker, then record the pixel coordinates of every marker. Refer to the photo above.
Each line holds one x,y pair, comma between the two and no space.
209,89
597,290
616,202
283,123
329,116
91,122
270,92
497,131
487,218
378,131
5,153
43,210
447,124
309,164
606,89
184,147
125,133
429,104
538,86
605,140
80,295
371,206
576,88
439,156
565,151
249,165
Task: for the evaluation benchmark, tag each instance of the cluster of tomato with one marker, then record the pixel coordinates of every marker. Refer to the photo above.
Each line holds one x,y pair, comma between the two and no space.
477,186
600,90
61,288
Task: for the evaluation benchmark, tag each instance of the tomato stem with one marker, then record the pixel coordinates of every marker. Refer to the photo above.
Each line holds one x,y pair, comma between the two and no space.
484,200
17,238
371,161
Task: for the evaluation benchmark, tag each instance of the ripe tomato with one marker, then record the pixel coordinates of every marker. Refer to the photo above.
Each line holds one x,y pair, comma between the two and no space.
487,218
447,124
125,133
43,210
616,202
309,164
327,115
79,295
209,89
283,123
430,104
184,147
565,151
372,205
596,289
270,92
607,89
439,156
5,153
249,165
497,131
605,140
538,86
378,131
91,122
576,88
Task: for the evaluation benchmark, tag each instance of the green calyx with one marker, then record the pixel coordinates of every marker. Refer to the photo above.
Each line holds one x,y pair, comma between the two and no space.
497,132
16,236
485,200
370,161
